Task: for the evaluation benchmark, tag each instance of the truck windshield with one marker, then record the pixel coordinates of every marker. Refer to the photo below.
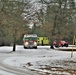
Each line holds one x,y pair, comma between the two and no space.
30,38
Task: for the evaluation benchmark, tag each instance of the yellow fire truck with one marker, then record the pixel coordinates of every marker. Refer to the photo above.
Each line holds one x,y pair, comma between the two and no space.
43,41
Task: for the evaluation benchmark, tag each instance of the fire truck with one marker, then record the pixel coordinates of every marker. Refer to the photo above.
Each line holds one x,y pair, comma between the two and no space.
43,41
60,43
30,41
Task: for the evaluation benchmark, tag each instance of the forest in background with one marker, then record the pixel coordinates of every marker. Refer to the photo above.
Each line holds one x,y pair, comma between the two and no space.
55,19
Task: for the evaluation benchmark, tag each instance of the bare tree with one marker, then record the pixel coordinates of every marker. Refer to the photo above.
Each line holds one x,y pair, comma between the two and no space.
11,11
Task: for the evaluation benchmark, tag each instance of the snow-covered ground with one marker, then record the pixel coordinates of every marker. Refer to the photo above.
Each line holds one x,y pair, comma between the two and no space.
43,60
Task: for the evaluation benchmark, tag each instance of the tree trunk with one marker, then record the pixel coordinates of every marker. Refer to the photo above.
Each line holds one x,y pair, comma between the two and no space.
14,47
14,43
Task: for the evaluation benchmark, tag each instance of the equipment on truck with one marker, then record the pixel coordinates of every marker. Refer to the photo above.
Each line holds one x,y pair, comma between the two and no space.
30,41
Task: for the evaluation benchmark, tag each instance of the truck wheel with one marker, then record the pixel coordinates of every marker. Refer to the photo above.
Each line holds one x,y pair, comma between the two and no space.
25,47
66,45
35,47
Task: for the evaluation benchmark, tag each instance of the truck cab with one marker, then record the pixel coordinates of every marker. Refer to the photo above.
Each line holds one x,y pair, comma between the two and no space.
30,41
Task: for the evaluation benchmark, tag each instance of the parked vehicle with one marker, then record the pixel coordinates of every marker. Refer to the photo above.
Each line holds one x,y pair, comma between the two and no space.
60,43
30,41
43,41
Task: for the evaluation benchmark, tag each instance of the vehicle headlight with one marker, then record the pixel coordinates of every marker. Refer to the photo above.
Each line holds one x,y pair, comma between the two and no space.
26,43
35,43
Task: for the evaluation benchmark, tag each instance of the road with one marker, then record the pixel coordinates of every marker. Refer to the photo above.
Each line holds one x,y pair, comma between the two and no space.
13,70
45,61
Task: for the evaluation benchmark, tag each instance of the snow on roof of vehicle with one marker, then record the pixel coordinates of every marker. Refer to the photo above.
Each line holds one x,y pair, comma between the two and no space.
30,35
63,41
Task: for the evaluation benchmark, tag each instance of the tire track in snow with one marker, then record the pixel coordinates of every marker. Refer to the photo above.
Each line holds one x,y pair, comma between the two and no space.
14,70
